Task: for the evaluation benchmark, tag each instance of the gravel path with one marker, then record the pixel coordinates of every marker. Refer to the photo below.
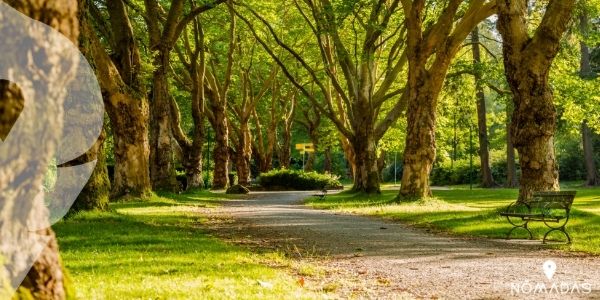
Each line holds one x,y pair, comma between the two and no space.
380,259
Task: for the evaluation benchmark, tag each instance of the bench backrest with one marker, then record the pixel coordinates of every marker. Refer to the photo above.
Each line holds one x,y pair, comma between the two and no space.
553,200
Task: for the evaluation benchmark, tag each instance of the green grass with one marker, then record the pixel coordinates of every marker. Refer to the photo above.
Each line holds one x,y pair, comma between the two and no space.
472,213
160,249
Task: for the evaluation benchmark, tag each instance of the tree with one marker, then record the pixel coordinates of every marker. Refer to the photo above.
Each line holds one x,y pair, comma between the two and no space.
586,72
193,59
245,104
119,75
311,123
263,150
22,166
527,62
431,46
163,36
353,86
288,103
217,91
487,179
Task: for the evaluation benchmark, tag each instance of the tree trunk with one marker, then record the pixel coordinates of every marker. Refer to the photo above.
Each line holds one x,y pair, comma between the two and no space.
327,164
592,177
366,175
487,179
310,162
511,166
585,71
419,152
25,236
96,193
221,149
527,64
243,154
124,100
285,150
128,116
162,168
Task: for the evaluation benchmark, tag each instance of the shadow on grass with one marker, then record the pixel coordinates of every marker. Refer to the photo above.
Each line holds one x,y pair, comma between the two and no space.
156,249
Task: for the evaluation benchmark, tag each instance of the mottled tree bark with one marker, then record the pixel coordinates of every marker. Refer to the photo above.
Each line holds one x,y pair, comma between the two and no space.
124,100
45,280
366,173
96,192
221,148
487,180
527,61
430,49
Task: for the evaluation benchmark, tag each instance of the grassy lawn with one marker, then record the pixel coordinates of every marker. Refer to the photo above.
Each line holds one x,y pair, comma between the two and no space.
472,213
158,249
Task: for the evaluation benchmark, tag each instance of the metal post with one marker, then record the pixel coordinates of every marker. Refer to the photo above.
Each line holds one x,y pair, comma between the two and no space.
303,152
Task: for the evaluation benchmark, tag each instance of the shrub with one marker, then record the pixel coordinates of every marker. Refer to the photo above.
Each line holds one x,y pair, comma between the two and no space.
297,180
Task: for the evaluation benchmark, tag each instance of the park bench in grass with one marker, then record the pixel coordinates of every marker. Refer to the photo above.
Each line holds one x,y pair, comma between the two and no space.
321,194
551,208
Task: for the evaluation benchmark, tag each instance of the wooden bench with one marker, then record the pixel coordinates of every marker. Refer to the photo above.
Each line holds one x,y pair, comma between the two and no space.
321,194
551,208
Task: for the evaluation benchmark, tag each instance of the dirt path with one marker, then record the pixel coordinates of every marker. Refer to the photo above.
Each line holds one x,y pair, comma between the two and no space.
379,259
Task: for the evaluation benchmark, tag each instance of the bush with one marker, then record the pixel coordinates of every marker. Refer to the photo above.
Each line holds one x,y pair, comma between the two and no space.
297,180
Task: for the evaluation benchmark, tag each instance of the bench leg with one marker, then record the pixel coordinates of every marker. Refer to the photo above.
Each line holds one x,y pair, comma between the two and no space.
524,226
562,229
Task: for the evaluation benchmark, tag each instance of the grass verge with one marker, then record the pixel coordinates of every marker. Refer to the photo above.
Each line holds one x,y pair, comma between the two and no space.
462,211
160,249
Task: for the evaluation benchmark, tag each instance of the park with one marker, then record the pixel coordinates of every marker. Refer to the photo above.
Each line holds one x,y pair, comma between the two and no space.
300,149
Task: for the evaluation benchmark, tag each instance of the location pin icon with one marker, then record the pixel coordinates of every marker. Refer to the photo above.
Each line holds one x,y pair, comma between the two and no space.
549,269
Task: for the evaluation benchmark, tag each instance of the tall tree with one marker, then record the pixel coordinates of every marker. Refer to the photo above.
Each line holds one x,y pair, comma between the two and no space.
193,59
352,85
24,227
527,62
164,30
311,123
586,72
119,75
244,107
217,85
264,150
288,103
487,179
431,47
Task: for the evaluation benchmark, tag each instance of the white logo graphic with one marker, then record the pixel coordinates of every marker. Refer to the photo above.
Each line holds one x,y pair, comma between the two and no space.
46,67
549,268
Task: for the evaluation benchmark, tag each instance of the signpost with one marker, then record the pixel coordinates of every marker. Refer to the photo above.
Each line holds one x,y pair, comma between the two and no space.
305,148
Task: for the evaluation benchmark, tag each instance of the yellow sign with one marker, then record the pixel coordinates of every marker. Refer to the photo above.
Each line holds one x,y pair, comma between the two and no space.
305,147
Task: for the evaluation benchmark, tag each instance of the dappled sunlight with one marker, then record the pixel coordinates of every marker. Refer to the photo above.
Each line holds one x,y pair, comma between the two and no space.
159,248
